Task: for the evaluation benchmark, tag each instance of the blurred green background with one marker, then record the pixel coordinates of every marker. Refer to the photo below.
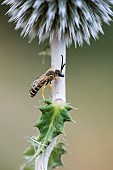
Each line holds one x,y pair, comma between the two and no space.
89,88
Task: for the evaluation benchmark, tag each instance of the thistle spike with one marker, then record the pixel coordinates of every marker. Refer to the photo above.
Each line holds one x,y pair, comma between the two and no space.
73,20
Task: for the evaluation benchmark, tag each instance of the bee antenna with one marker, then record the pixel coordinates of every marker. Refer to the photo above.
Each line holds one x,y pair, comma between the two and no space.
62,65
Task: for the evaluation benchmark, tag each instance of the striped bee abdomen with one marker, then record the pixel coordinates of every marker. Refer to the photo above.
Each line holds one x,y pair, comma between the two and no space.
33,91
36,86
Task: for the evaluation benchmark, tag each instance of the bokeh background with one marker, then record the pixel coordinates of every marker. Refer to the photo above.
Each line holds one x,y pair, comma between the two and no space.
89,88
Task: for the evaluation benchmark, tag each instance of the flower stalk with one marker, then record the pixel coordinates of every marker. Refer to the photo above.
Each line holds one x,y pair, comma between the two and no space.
58,48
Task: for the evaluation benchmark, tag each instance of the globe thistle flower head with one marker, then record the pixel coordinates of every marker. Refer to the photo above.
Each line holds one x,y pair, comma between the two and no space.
70,20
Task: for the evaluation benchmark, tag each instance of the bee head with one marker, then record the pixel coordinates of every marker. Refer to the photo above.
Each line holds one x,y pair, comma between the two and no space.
58,73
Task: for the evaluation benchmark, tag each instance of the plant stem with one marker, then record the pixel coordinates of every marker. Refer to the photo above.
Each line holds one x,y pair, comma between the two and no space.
58,48
41,162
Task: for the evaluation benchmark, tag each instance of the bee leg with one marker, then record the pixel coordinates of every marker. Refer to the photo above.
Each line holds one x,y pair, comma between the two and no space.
43,91
56,78
52,87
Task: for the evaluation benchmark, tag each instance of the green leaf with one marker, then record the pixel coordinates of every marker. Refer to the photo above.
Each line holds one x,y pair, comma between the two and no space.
51,122
28,154
29,166
55,157
50,125
54,160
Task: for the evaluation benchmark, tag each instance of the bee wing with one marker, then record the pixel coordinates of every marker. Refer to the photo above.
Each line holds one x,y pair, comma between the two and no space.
39,80
34,82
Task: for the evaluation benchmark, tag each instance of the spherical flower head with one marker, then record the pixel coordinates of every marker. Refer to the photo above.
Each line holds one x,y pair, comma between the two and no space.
69,20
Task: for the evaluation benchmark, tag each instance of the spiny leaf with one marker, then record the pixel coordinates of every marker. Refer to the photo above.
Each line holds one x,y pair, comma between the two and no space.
50,125
28,154
51,122
54,160
55,157
29,166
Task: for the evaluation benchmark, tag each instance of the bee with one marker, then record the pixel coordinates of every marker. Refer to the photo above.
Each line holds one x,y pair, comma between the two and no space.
45,80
